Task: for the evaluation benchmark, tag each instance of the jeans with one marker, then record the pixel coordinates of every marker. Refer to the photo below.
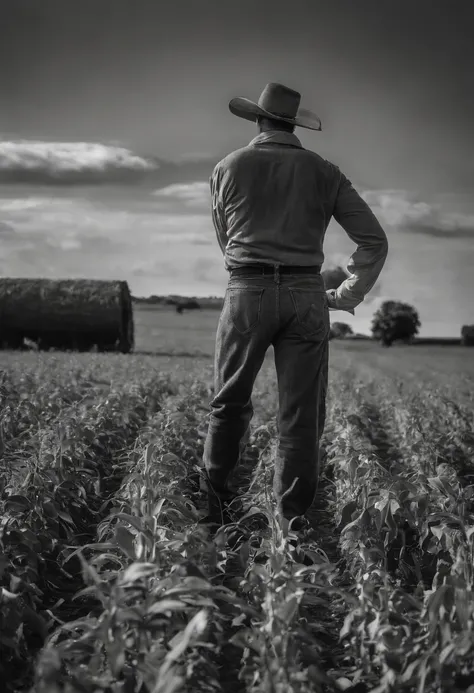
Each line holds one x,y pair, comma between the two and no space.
291,313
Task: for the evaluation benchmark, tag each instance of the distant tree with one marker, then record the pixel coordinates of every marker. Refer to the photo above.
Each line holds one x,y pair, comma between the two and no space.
467,335
190,304
395,321
340,330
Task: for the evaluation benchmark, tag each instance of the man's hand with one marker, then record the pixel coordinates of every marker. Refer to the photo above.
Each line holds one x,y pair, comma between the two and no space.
333,303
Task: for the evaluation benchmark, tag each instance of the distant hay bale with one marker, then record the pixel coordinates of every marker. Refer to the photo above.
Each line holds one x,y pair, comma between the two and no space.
64,314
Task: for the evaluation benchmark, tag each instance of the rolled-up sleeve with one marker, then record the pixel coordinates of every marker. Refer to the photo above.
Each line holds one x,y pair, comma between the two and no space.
217,209
366,263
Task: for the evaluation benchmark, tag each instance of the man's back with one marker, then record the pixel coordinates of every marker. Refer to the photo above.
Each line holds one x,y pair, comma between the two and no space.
272,202
278,199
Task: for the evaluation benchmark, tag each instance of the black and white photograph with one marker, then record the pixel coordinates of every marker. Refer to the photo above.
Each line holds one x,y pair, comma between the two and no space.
236,346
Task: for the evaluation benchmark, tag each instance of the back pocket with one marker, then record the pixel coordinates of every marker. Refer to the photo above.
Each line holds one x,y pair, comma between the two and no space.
244,308
311,309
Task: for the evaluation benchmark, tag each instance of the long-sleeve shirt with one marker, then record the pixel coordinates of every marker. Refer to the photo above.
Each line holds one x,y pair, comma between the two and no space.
272,202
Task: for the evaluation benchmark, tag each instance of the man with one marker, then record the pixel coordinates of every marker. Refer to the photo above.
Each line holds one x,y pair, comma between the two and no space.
271,204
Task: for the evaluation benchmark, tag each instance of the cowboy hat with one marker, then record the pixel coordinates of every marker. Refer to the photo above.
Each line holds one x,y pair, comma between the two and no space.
278,102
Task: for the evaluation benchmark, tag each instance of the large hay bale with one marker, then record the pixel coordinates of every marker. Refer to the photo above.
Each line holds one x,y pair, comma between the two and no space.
66,314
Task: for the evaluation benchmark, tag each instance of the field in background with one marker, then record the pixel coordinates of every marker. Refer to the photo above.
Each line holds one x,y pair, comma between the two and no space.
159,329
108,584
162,330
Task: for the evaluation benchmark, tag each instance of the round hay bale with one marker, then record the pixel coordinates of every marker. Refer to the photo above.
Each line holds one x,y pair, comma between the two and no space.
66,314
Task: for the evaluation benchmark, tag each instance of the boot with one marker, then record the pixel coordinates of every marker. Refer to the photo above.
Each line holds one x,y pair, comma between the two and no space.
221,506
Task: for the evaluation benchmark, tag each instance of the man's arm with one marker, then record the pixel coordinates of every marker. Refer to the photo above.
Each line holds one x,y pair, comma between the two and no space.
365,264
217,210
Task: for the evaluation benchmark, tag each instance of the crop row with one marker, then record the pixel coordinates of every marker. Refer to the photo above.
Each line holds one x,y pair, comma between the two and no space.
161,616
69,473
407,528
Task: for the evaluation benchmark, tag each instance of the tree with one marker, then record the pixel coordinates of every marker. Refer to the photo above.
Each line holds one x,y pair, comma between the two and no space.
395,321
467,335
190,304
340,330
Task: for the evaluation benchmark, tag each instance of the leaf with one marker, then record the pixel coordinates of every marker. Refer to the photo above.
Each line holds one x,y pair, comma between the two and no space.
347,512
438,530
149,450
115,655
244,554
238,620
183,639
246,638
137,571
177,416
165,605
288,610
157,508
389,517
260,571
97,547
469,532
132,520
50,510
435,482
446,651
125,540
254,510
66,444
17,503
66,517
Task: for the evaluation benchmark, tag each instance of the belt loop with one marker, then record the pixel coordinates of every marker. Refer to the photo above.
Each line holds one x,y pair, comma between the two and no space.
277,274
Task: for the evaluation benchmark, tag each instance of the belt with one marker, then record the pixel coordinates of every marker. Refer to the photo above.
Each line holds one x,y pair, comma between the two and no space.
271,269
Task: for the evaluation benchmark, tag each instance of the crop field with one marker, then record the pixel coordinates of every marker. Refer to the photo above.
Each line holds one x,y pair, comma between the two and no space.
109,585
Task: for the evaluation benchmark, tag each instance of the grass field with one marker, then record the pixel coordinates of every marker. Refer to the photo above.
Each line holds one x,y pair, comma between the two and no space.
108,583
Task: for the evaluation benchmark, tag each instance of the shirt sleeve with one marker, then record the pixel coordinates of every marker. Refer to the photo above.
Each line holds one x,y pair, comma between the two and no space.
217,210
365,264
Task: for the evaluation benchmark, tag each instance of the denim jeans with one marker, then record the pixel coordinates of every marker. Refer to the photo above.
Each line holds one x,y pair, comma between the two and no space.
291,313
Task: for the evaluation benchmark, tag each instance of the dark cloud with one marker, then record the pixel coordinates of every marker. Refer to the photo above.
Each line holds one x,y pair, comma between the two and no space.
69,163
86,163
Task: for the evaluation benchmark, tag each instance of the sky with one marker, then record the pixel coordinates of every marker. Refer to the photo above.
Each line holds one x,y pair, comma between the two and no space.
113,114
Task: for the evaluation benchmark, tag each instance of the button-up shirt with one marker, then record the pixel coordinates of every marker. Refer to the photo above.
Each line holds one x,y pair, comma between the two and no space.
272,202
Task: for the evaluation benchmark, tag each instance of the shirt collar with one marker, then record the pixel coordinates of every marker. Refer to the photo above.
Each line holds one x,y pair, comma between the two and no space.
276,136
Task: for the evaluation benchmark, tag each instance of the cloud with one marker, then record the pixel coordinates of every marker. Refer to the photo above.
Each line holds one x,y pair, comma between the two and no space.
92,163
6,230
28,161
125,236
153,268
81,218
401,209
204,269
334,277
196,195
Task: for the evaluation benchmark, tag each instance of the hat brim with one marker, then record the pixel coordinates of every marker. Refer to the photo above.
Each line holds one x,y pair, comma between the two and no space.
249,110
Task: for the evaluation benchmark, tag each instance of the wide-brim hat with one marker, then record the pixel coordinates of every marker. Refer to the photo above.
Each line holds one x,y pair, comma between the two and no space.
278,102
